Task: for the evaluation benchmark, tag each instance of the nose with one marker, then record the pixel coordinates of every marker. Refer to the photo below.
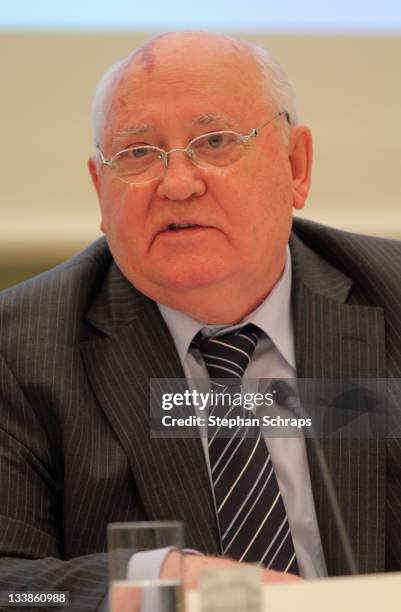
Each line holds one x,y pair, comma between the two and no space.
182,179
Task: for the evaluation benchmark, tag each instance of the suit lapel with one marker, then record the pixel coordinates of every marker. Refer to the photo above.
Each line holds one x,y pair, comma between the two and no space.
334,339
171,474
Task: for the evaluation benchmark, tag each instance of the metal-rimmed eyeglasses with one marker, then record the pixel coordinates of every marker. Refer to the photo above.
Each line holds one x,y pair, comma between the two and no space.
145,163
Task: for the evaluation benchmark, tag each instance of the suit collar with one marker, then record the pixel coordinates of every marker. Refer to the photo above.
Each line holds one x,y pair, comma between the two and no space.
316,274
117,304
335,337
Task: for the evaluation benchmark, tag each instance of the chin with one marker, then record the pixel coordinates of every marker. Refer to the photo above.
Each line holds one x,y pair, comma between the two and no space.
188,277
187,280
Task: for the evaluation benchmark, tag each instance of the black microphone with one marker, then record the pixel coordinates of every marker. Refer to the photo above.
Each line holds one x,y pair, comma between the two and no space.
287,398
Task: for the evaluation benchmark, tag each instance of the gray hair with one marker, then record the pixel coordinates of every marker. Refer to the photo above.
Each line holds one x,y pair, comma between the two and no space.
103,90
277,87
278,90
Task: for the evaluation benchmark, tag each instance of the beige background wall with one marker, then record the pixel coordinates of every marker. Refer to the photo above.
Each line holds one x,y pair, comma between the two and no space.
349,89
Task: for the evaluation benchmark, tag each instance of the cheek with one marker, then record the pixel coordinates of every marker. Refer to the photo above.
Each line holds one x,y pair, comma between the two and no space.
263,212
124,221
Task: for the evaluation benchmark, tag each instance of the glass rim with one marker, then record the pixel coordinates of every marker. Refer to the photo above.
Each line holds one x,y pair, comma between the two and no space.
145,525
239,139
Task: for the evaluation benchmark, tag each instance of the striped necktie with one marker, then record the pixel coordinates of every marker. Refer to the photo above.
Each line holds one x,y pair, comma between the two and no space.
251,514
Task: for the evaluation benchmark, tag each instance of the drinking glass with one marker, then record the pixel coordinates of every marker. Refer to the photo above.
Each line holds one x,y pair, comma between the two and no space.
136,552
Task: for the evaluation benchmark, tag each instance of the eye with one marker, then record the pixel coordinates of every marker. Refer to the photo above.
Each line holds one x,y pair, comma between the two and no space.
139,152
217,141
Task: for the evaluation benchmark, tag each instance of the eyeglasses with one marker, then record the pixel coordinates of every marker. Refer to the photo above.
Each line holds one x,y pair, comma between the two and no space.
145,163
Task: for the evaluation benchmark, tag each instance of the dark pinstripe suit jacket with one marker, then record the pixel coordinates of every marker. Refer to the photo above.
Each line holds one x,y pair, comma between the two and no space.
78,345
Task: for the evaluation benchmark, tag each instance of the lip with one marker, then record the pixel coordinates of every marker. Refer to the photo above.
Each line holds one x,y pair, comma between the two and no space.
164,227
185,234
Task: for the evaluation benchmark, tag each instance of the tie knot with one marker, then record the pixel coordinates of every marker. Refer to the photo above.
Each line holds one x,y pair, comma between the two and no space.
228,355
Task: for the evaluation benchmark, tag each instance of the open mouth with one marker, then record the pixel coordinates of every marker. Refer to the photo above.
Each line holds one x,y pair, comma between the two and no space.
174,227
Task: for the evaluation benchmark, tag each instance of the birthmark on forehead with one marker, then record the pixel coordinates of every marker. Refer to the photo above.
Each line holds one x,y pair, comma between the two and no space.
235,45
147,55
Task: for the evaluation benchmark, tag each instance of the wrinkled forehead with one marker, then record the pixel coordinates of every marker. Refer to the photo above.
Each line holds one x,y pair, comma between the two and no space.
209,70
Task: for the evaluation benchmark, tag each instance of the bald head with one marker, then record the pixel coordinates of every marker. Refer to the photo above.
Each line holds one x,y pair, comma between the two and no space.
179,57
169,46
166,48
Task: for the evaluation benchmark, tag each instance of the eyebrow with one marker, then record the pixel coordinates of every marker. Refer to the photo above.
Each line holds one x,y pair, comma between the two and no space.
136,129
206,119
140,128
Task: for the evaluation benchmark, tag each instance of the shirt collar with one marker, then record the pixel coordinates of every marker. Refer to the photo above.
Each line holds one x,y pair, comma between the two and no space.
272,316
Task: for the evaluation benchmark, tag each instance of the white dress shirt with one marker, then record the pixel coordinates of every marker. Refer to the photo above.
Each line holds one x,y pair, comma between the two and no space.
274,357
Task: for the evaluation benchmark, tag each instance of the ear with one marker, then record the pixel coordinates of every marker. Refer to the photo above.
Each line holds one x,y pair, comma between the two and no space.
92,167
300,156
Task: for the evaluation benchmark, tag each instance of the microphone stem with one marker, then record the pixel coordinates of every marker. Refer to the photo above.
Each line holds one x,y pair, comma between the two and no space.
292,403
338,519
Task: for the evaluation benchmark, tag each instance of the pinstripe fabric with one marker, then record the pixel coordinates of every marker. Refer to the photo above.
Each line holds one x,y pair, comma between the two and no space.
339,339
78,345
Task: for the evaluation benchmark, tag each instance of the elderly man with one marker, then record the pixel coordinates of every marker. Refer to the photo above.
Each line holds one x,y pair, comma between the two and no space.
199,162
